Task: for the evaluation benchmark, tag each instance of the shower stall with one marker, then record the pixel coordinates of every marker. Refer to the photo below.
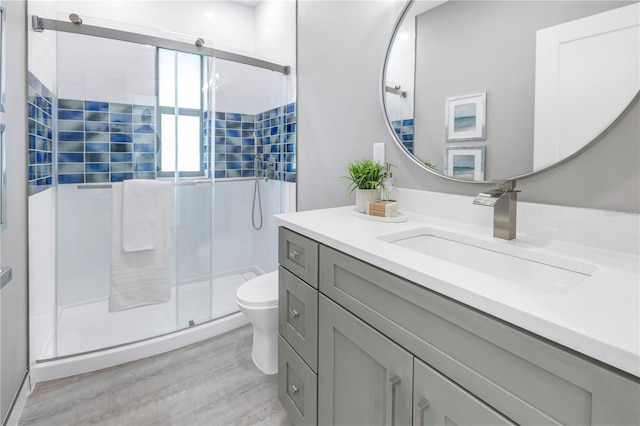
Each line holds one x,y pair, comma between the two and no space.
218,127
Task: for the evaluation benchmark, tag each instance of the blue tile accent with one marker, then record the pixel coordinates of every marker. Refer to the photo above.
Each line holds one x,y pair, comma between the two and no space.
67,157
145,167
144,147
144,128
70,115
71,136
75,178
96,147
120,118
119,157
96,106
120,137
119,177
95,126
96,167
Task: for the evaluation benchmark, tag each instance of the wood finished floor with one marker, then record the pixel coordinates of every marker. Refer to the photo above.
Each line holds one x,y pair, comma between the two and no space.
210,383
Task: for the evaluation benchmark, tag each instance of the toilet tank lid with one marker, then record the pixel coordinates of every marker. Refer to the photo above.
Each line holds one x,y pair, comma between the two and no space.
260,291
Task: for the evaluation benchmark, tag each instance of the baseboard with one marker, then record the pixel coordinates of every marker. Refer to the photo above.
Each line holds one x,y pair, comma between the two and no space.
15,411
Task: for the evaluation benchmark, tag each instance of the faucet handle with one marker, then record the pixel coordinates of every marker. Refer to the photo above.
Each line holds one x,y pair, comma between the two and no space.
488,198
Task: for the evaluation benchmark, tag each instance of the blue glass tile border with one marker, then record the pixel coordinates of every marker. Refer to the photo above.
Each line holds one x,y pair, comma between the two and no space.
40,101
245,145
102,141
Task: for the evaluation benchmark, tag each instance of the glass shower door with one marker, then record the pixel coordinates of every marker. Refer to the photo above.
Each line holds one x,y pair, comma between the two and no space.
111,127
253,137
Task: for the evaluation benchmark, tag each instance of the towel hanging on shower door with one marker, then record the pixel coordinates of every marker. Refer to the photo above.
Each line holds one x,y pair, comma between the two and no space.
139,262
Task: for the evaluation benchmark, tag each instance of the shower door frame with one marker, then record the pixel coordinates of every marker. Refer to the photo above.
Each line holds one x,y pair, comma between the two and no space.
40,24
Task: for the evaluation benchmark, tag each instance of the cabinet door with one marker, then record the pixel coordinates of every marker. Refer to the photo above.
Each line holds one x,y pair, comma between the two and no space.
365,378
439,401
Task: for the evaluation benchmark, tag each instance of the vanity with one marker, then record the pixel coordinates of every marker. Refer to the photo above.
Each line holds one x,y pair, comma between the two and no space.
394,323
433,321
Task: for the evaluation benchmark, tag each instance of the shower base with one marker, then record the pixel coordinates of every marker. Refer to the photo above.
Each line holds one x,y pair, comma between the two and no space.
88,327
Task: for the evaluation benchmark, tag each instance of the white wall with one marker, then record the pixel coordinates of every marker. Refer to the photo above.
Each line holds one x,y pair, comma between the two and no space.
341,47
14,326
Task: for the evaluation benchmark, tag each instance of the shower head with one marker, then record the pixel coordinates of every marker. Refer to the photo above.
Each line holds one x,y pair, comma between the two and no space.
75,19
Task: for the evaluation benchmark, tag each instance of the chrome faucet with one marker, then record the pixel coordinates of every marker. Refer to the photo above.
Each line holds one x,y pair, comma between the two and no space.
503,200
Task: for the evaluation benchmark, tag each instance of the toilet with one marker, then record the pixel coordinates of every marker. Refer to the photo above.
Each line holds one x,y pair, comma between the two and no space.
258,301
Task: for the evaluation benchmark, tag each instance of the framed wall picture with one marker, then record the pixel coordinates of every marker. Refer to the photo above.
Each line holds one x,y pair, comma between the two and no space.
465,117
464,162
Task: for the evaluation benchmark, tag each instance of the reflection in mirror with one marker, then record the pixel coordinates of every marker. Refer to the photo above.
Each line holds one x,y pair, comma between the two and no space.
556,75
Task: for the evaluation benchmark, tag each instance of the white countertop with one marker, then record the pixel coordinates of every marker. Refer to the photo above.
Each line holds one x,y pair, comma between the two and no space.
600,317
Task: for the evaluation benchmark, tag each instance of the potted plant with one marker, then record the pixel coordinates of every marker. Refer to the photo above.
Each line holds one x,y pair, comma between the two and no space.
365,177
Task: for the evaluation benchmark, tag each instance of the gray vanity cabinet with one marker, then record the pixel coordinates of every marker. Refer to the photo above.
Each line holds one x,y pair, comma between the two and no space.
365,379
389,347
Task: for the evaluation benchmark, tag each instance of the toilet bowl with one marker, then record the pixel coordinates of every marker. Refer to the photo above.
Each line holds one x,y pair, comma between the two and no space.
258,301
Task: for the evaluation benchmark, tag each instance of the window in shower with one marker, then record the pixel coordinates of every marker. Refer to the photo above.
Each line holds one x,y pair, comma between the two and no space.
180,77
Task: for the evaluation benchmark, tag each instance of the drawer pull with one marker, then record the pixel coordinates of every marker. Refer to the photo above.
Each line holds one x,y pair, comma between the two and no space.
294,313
391,390
294,389
294,254
418,411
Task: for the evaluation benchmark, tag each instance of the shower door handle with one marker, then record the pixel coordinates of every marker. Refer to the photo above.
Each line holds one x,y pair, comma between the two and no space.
6,274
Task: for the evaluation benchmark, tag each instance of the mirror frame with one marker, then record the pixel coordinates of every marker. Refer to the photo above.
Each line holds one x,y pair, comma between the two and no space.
383,100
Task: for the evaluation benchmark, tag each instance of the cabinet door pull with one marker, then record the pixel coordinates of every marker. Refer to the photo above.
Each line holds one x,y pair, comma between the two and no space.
391,390
294,313
294,254
418,410
293,389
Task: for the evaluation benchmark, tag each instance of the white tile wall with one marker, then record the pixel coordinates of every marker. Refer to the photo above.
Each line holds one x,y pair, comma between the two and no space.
42,273
105,70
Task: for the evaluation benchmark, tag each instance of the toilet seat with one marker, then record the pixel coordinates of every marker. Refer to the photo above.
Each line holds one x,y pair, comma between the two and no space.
259,292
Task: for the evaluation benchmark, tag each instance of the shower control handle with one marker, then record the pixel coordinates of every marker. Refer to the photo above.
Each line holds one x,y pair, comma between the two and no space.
294,313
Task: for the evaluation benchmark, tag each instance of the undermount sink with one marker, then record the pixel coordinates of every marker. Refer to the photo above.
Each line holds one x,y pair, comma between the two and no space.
518,265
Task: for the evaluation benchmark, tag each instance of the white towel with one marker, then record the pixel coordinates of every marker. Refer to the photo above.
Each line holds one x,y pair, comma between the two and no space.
140,277
139,213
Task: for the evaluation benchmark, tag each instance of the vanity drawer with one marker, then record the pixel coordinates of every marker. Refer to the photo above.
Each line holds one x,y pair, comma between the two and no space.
297,386
298,316
299,255
528,379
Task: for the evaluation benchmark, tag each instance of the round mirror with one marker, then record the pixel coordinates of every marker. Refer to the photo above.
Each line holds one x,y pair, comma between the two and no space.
487,91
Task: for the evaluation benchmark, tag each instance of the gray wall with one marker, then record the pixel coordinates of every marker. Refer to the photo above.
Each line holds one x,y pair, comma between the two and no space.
468,46
14,309
341,47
